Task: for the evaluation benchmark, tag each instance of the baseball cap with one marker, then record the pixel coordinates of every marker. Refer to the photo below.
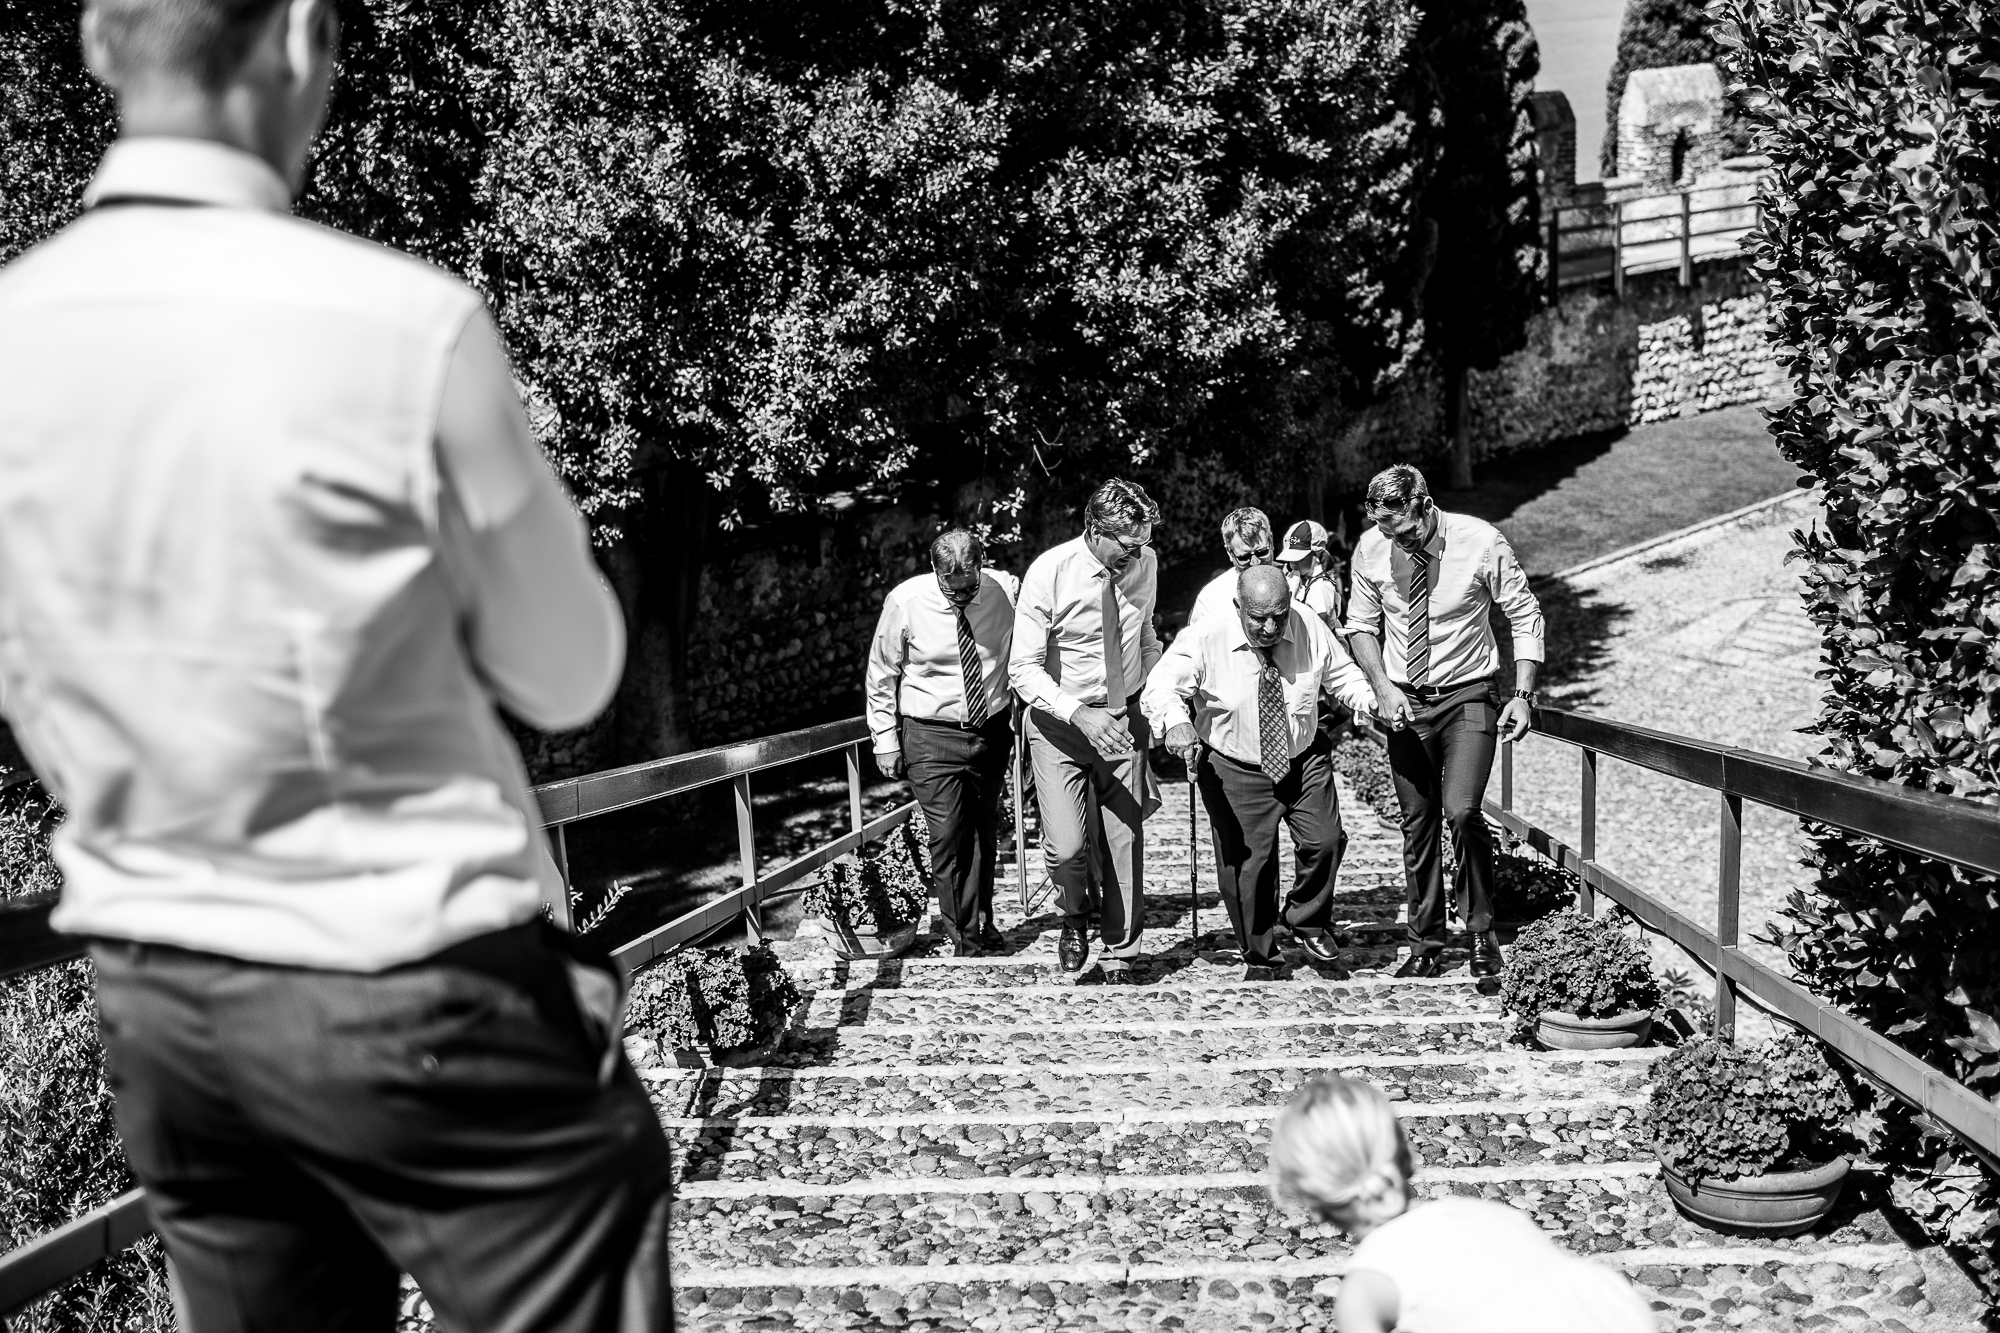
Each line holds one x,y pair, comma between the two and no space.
1301,538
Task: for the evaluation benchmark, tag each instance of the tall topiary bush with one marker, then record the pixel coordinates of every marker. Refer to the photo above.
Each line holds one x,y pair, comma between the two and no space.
1878,250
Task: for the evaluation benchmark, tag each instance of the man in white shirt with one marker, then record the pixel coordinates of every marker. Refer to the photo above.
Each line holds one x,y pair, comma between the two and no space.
1247,541
1083,643
1255,679
274,541
940,710
1424,582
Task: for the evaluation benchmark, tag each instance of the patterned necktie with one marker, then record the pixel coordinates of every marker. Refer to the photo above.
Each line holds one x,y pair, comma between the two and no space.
1274,725
1417,656
1114,645
976,710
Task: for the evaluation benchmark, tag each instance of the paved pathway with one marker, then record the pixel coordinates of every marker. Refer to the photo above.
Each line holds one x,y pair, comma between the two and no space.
952,1144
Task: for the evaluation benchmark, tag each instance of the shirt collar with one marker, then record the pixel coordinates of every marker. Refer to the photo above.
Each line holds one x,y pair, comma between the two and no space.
1238,640
194,171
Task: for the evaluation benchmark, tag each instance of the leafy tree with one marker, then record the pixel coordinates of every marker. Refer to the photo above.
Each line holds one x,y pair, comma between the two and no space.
1878,248
967,257
1475,62
54,120
1658,34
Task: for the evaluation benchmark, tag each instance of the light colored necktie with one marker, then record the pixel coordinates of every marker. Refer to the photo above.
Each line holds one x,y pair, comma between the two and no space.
1274,724
1114,645
1417,655
976,710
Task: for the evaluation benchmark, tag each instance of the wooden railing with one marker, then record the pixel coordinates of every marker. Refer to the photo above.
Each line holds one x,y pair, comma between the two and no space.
1648,234
26,942
1947,828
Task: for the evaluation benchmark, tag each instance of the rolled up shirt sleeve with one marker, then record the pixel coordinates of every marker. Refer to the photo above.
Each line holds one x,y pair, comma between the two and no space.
1170,684
1027,664
887,656
543,629
1508,583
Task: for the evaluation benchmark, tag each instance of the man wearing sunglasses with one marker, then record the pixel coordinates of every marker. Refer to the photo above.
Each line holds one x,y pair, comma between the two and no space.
940,711
1084,642
1247,541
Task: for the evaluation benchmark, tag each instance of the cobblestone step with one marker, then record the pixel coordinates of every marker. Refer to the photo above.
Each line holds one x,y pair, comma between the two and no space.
1298,999
1146,1142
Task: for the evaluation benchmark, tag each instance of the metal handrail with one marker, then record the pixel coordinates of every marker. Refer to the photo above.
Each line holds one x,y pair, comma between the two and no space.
1946,828
30,1271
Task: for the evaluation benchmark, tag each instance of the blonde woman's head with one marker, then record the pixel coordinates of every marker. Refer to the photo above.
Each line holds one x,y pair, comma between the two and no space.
1338,1152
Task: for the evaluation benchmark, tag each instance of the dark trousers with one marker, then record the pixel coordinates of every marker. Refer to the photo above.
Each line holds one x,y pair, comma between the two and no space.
304,1137
1244,808
959,777
1441,762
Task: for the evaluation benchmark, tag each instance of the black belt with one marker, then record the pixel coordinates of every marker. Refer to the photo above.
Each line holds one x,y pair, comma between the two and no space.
1433,693
961,725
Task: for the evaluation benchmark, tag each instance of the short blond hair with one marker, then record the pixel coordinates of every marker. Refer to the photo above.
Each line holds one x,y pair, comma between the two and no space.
1337,1144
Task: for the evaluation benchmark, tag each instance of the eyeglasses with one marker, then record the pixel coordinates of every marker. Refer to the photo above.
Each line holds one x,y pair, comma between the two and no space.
1130,548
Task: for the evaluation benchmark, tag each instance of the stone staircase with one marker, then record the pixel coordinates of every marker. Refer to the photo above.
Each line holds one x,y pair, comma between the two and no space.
972,1143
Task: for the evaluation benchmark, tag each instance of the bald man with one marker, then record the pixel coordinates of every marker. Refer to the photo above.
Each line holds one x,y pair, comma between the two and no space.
1237,697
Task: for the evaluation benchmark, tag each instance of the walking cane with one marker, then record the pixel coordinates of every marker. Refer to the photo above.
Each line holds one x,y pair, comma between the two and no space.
1194,900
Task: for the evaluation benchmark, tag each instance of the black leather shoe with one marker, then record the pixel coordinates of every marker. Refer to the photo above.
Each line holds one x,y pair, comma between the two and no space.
1487,960
1072,950
992,940
1119,976
1421,965
963,948
1262,972
1319,947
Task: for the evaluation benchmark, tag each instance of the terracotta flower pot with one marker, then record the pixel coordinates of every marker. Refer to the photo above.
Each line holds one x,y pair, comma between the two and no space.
1777,1203
852,942
1562,1031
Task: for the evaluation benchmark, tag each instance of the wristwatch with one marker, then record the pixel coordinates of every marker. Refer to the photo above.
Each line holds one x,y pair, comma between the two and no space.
1534,699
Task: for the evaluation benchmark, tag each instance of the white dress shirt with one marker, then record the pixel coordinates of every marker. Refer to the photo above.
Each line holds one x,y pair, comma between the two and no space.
913,664
274,539
1472,569
1218,595
1212,667
1058,651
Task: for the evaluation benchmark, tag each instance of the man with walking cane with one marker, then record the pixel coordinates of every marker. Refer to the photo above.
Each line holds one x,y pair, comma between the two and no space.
1253,680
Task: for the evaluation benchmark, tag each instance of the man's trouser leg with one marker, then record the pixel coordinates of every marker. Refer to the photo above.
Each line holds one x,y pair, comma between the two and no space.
955,774
1092,829
304,1136
1243,811
1312,811
1420,756
1467,739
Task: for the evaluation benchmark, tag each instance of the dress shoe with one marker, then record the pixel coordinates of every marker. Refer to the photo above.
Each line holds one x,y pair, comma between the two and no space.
1320,946
963,948
1073,951
1262,972
1487,960
1421,965
992,940
1119,976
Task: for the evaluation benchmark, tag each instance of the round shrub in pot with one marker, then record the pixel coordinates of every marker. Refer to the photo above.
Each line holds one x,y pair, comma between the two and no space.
1578,982
1751,1139
873,900
711,1007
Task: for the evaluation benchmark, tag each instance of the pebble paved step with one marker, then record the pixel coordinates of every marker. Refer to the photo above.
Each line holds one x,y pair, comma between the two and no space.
987,1144
906,1089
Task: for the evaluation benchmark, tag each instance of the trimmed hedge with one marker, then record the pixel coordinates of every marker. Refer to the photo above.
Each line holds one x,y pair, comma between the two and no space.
1879,248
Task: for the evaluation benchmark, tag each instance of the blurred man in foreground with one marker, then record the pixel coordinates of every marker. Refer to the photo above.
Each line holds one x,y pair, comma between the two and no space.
274,541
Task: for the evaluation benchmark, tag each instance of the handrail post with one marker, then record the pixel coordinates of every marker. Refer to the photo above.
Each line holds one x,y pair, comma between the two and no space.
854,787
1729,880
1618,250
746,846
1687,241
560,909
1586,897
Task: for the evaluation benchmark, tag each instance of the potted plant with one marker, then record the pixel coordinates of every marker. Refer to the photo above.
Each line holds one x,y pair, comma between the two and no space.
1579,983
873,900
1528,888
1751,1139
714,1006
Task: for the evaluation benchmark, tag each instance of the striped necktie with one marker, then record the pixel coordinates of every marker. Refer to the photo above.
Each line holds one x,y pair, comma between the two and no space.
1417,653
976,710
1274,725
1113,633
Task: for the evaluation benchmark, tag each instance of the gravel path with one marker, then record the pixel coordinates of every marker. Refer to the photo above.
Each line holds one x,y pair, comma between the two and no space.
980,1144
